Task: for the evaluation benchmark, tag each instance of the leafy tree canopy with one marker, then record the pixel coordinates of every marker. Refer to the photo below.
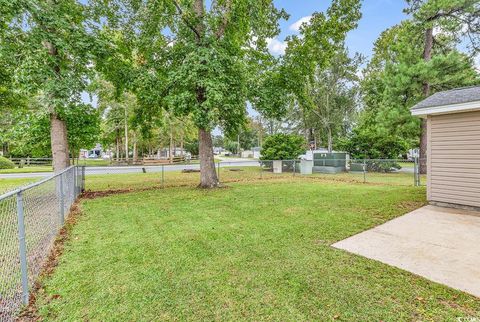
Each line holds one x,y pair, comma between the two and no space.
30,136
283,147
184,58
53,51
394,79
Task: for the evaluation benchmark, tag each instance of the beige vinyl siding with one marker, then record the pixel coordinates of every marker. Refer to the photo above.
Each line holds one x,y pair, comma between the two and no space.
454,158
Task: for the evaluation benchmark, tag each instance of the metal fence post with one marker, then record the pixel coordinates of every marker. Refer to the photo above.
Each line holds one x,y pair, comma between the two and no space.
22,248
74,170
78,173
163,176
83,178
415,165
218,171
79,180
294,167
62,201
364,171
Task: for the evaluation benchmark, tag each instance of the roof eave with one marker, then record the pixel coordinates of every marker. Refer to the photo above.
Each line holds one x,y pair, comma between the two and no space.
446,109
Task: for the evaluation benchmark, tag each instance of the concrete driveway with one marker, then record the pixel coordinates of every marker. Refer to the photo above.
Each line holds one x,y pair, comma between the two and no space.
440,244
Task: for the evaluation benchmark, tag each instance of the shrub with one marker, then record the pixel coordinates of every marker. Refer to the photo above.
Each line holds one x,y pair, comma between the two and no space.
6,164
382,166
283,147
364,144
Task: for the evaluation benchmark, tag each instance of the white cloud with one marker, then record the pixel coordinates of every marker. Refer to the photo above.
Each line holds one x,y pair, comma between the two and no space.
276,46
477,62
296,25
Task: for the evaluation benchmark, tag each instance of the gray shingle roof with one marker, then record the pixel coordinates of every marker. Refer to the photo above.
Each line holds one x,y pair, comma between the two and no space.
453,96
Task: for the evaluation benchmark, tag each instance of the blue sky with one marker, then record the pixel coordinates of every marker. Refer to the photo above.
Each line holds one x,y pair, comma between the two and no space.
377,15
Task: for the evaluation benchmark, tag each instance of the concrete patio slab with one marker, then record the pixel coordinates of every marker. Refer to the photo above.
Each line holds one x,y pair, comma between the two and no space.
440,244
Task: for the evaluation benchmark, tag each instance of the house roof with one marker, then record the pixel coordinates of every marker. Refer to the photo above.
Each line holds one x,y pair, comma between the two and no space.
453,96
454,100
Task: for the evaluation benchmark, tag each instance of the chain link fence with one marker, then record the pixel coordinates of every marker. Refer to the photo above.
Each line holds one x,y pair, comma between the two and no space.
382,171
30,219
375,171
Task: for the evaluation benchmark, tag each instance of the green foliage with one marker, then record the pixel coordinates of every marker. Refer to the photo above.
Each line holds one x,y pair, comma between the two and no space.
203,68
218,140
83,122
231,145
311,86
30,136
248,137
52,49
283,147
192,147
393,82
332,99
365,144
458,20
317,44
6,163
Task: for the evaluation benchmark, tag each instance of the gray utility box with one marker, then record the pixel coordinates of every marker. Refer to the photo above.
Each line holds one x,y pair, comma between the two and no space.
306,166
277,166
330,162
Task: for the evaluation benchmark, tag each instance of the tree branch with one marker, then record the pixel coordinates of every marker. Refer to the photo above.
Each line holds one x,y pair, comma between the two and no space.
223,25
189,25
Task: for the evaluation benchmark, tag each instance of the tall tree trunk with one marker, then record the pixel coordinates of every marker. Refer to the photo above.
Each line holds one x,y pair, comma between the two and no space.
306,135
208,175
311,139
117,145
238,146
59,142
126,135
330,140
135,148
427,55
58,127
170,147
181,146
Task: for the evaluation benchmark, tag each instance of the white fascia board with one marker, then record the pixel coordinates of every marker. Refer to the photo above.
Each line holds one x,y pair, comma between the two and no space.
447,109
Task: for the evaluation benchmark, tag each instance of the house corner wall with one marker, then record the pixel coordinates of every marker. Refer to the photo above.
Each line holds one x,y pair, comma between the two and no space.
429,157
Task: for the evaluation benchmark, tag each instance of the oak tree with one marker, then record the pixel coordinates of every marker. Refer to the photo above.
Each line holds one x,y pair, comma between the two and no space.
180,56
53,52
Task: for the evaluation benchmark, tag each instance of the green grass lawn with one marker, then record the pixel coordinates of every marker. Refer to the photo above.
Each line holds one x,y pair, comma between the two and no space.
94,162
252,251
29,169
407,164
13,183
230,174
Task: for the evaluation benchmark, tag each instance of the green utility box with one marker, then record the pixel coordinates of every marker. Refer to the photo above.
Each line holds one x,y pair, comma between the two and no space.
330,162
357,167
